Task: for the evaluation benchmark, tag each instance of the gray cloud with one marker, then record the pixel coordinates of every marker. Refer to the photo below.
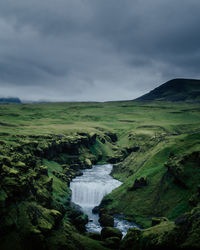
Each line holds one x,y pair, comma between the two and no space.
96,50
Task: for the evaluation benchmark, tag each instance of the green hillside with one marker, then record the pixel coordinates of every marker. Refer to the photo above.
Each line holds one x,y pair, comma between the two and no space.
175,90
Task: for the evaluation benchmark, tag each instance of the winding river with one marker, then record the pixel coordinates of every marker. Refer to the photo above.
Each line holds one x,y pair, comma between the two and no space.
89,189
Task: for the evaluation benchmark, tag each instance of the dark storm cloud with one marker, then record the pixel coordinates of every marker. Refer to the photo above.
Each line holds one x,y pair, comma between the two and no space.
96,49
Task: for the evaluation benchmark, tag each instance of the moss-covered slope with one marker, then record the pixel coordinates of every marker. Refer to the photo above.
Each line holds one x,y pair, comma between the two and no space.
160,179
183,234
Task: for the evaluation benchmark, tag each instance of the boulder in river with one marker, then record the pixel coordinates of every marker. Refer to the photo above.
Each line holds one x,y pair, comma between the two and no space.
108,232
80,222
95,210
94,236
112,242
106,220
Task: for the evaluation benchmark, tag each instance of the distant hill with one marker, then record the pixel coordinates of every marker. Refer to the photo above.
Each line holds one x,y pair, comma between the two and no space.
9,100
175,90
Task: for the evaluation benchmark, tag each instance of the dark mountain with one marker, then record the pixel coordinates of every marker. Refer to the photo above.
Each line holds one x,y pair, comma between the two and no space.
10,100
175,90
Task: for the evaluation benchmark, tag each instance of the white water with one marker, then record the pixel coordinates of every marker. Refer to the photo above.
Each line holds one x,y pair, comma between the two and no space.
89,189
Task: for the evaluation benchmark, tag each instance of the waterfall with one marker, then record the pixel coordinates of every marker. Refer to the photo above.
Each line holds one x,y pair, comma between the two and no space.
89,189
88,194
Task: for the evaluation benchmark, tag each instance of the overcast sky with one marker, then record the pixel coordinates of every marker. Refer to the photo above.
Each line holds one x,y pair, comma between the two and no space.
96,50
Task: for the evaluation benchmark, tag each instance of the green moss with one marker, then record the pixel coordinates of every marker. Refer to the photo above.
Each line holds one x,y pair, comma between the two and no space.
157,237
61,191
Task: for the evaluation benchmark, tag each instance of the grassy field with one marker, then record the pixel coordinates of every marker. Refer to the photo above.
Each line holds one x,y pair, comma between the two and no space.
120,117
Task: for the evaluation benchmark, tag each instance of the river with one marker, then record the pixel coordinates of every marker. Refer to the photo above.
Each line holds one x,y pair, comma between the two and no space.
89,189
